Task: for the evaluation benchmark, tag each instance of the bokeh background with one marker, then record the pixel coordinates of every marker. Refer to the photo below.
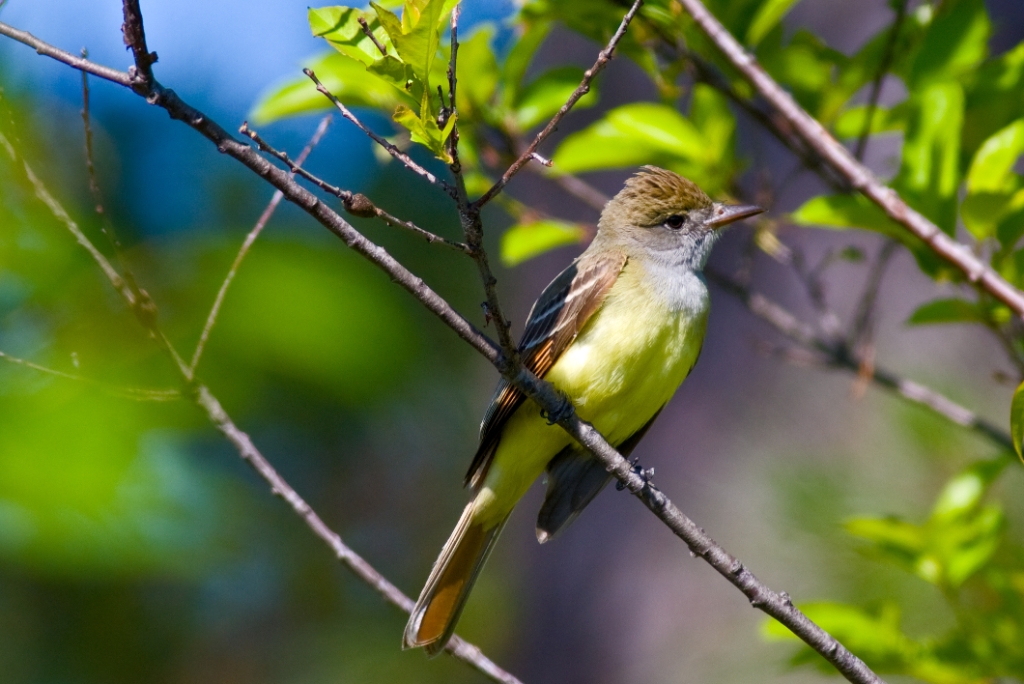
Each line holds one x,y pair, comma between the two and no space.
135,546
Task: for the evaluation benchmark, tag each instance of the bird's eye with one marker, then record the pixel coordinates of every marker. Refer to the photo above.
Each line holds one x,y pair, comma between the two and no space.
675,221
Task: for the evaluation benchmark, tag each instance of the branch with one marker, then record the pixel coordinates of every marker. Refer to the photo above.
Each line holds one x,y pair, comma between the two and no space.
840,159
458,647
405,159
247,244
582,89
135,38
761,597
839,355
356,203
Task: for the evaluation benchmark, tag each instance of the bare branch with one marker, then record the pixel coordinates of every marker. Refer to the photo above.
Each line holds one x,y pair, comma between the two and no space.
432,238
859,176
135,38
247,243
459,648
452,110
136,393
356,204
838,355
47,50
391,149
582,89
761,597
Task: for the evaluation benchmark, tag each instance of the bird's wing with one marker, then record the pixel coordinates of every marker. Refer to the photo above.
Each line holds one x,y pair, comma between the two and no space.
556,319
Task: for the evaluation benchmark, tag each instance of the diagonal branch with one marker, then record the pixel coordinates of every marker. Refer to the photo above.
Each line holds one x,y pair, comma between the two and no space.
355,203
840,159
761,597
458,647
838,354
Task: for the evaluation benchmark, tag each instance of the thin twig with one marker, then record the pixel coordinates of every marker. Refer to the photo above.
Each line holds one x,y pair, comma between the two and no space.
45,49
772,603
135,39
432,238
106,225
391,149
136,393
453,80
859,176
247,243
582,89
58,211
369,34
876,86
839,355
355,203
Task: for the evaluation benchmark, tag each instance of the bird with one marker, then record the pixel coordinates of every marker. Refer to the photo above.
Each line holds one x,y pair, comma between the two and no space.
616,333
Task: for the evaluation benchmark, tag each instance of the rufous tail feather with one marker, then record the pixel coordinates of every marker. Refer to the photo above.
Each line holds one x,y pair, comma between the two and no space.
437,611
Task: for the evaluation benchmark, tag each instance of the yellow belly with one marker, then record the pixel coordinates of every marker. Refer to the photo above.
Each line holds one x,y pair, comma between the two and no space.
626,364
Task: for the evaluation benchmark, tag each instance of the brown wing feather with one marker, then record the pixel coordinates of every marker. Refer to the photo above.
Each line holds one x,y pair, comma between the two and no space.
556,319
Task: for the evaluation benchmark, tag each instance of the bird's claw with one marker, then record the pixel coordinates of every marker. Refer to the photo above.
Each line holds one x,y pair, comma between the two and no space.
646,474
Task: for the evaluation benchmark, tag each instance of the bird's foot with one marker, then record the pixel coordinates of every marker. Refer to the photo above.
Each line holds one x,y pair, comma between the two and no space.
646,474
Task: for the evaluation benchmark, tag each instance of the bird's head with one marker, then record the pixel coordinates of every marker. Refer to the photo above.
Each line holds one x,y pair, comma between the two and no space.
659,214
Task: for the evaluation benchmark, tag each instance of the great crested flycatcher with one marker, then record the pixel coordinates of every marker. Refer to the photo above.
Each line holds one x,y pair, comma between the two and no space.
617,332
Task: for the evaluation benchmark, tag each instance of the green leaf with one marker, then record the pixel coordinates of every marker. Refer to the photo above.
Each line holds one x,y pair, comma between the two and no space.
845,211
425,131
896,536
546,94
873,637
930,174
527,240
992,167
1017,420
975,546
962,494
634,134
519,58
851,122
947,311
343,76
993,97
999,214
769,14
956,42
398,75
340,27
418,39
477,71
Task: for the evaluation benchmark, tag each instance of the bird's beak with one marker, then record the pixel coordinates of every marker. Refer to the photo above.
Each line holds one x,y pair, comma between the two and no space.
724,214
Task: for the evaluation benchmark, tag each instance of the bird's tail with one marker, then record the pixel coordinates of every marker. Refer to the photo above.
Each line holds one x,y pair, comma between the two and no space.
433,619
